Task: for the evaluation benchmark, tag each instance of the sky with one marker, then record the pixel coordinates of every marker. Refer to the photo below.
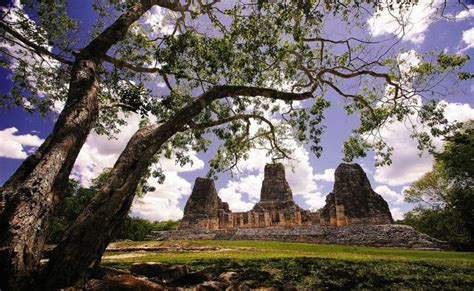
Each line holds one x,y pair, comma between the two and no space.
310,178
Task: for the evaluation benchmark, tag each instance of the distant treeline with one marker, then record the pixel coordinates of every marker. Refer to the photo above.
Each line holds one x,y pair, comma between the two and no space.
76,198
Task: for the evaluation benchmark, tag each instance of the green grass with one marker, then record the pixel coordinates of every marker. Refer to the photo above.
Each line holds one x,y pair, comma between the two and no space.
267,250
281,264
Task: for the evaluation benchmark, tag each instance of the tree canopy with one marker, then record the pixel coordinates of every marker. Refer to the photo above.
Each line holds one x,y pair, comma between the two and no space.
159,67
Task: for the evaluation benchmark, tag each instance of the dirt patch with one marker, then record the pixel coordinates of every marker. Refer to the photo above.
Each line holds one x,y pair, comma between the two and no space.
124,256
177,247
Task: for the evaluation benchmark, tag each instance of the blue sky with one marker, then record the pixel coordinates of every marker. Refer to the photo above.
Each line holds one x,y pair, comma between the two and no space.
311,179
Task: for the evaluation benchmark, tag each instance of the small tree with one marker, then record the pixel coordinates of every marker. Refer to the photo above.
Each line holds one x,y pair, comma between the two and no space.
445,196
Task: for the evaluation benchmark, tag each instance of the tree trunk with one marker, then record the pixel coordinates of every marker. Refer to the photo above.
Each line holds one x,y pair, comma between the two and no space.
31,194
87,239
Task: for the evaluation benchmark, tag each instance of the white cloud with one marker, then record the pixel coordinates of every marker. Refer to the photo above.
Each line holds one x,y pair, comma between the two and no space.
314,200
397,213
464,14
468,39
327,176
244,191
459,112
389,195
409,23
99,152
158,22
162,204
15,146
407,166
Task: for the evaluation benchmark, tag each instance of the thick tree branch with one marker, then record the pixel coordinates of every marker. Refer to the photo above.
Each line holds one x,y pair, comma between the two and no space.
234,91
98,47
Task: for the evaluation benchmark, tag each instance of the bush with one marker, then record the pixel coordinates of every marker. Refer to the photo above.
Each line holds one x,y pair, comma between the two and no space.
166,225
135,228
75,199
440,223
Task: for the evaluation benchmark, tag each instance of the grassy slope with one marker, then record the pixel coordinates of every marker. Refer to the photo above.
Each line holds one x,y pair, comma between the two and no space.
333,266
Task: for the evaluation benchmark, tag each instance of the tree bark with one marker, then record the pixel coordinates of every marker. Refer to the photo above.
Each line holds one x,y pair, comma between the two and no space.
31,194
87,239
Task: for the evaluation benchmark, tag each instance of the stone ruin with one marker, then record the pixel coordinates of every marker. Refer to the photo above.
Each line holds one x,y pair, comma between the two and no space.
354,214
204,207
205,210
352,201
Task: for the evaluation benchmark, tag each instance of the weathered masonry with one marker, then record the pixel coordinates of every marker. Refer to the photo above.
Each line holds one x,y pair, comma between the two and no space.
352,201
205,210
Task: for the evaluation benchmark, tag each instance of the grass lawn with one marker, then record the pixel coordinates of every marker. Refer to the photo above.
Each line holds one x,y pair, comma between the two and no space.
288,265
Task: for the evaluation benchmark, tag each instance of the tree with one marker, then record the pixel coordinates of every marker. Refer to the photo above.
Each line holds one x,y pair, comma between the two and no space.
219,65
31,193
445,196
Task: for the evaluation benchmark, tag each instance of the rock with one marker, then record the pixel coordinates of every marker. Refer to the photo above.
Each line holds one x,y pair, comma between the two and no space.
352,200
202,207
115,279
149,269
210,285
193,278
106,272
228,277
161,271
175,272
125,282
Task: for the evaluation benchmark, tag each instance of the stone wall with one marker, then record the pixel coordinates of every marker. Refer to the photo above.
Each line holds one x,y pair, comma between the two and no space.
273,218
388,235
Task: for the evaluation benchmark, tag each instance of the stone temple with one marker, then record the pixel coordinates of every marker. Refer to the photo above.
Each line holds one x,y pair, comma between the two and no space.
352,201
354,214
